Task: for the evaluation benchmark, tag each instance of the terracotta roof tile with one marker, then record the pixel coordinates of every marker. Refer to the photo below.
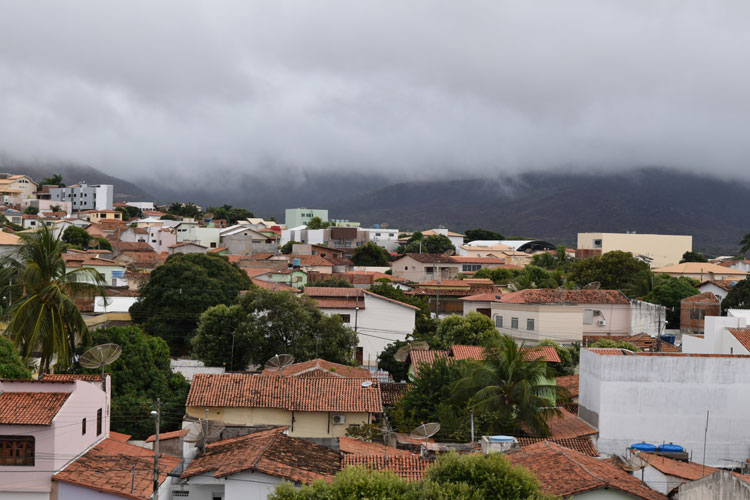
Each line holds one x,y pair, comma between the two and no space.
410,467
568,426
67,377
309,260
115,467
314,394
31,408
392,392
269,452
118,436
133,246
467,352
252,272
336,303
703,297
427,357
565,472
548,353
581,445
320,367
430,258
483,297
642,341
699,268
322,291
684,470
168,435
357,447
273,286
723,284
570,383
555,296
742,335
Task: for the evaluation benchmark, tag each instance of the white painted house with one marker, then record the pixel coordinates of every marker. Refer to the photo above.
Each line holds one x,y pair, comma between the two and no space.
722,335
378,320
666,397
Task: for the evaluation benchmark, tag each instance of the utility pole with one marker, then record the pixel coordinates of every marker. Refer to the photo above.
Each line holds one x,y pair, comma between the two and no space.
156,449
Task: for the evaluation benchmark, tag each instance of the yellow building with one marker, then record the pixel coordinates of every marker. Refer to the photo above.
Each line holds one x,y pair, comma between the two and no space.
312,407
658,249
96,216
16,188
702,271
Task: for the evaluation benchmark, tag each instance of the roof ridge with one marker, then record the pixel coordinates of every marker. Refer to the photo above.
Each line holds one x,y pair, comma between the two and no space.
563,451
272,441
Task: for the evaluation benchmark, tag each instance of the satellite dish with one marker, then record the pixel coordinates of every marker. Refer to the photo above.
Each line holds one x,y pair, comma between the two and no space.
367,383
425,431
403,352
594,285
204,431
635,463
100,356
104,301
279,362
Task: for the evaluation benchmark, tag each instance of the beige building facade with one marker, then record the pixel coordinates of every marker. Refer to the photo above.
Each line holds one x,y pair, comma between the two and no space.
659,249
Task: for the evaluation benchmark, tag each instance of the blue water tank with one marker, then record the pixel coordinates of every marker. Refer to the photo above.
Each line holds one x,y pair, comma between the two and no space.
501,439
668,338
671,448
376,226
647,447
295,262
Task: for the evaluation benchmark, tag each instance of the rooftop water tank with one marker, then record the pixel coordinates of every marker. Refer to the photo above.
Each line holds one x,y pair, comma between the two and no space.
647,447
295,262
671,448
500,439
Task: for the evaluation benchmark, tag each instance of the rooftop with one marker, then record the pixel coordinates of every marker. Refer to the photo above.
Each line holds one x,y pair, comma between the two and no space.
392,392
31,408
742,335
677,468
569,383
699,268
269,452
320,368
358,447
430,258
555,296
410,467
311,394
581,444
703,297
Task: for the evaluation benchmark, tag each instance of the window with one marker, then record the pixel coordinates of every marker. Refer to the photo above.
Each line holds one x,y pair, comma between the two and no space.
346,318
83,426
213,244
514,323
588,316
98,422
471,267
530,324
597,243
499,321
16,450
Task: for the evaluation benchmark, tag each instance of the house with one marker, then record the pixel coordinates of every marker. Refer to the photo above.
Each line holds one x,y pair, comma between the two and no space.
667,397
720,484
358,279
659,249
421,267
720,288
738,265
457,239
251,466
187,247
642,341
722,335
564,316
470,265
312,407
9,243
209,237
46,424
567,473
409,467
14,189
84,196
666,475
701,271
96,216
444,296
170,443
294,217
319,250
114,469
242,240
694,309
378,320
320,368
481,302
109,270
385,238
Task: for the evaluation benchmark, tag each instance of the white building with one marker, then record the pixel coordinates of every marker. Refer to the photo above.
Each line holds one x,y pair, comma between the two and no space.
722,335
141,205
84,196
378,320
666,397
457,239
386,238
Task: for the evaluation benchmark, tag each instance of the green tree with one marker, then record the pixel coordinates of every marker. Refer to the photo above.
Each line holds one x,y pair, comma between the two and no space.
216,342
53,180
737,298
613,270
317,223
332,283
181,289
436,243
286,248
77,237
545,260
140,376
353,483
398,370
518,392
103,244
693,257
11,364
473,329
188,209
499,275
745,242
536,277
56,208
129,212
370,254
569,357
669,291
617,344
482,234
31,210
46,319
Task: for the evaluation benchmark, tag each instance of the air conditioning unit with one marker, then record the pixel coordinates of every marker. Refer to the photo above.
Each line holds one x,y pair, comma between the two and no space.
602,322
339,419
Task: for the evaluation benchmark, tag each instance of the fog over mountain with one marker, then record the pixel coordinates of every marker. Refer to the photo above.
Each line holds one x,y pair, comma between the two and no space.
197,95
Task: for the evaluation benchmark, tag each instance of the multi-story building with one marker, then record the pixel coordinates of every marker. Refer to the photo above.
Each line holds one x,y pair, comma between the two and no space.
16,188
84,196
295,217
658,250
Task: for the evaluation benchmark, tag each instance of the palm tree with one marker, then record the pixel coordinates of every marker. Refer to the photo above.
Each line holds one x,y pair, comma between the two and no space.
745,242
520,393
45,318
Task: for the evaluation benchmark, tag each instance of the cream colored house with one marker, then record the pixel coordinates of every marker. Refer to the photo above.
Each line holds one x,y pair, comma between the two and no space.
702,271
658,249
312,407
420,267
16,188
564,316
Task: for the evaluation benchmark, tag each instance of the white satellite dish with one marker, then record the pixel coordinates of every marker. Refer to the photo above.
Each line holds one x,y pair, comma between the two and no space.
279,362
104,301
204,431
425,431
100,356
594,285
367,383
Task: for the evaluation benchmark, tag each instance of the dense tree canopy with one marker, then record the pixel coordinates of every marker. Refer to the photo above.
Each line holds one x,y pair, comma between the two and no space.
31,210
287,247
181,289
482,234
11,364
398,370
436,243
693,257
188,209
370,254
77,237
473,329
669,291
614,271
737,298
229,213
318,223
569,357
129,212
53,180
266,323
619,344
139,376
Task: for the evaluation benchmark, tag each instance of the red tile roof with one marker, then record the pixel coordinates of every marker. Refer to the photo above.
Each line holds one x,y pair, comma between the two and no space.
742,335
555,296
568,426
642,341
132,246
115,467
393,392
144,260
410,467
703,297
427,357
322,291
565,472
357,447
269,452
320,368
31,408
478,260
313,394
570,383
483,297
548,353
581,445
684,470
252,272
69,377
273,286
118,436
723,284
168,435
429,258
336,303
309,260
467,352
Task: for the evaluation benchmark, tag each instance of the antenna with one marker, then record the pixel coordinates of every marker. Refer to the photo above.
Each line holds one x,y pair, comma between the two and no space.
425,431
100,356
204,430
280,361
594,285
367,383
635,463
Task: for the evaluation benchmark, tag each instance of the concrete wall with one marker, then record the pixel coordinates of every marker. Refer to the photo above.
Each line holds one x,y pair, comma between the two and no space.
646,318
718,486
412,270
190,367
248,243
560,323
716,338
657,398
603,494
664,249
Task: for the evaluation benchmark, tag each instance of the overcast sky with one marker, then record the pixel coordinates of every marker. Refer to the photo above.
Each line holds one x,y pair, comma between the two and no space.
406,87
